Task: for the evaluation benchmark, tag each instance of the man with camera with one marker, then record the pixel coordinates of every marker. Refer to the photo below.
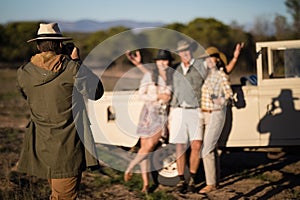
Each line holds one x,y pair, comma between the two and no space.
58,144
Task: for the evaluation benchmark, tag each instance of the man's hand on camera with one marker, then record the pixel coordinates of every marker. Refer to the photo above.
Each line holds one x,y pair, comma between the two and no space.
75,54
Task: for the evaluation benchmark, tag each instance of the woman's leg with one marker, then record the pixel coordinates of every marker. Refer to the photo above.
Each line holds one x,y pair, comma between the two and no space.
209,164
214,125
145,175
210,173
147,145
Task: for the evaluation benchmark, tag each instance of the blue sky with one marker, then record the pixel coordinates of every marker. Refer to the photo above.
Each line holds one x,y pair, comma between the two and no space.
167,11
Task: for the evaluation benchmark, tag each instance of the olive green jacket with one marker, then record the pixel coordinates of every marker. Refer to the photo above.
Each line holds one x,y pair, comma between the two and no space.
58,142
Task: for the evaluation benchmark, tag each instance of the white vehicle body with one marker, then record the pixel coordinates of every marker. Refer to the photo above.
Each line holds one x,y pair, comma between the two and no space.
265,115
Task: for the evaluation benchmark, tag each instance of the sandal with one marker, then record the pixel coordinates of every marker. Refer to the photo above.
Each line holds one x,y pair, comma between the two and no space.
207,189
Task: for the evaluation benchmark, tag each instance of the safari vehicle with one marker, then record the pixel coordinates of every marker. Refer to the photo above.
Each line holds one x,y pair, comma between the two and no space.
266,113
265,110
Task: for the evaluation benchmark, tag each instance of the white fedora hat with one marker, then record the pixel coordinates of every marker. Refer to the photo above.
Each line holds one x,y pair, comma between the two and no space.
183,45
49,32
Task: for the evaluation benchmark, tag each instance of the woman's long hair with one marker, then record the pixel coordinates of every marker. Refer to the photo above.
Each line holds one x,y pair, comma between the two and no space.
169,74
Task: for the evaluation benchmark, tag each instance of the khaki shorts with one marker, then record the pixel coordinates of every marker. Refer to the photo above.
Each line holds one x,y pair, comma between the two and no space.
185,125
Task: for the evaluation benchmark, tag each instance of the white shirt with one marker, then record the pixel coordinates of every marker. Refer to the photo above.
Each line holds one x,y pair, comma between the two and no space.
186,69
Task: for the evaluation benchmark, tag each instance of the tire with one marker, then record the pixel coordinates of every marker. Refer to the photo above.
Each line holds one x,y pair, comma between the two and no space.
164,166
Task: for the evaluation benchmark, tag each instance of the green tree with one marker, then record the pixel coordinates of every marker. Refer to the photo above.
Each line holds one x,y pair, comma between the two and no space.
96,38
263,29
208,32
2,41
79,39
293,7
16,48
106,46
282,28
176,27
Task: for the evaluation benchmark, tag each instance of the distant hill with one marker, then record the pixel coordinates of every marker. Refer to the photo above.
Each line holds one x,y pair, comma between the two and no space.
92,26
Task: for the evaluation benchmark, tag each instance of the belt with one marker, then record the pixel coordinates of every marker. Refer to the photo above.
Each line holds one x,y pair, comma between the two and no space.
209,111
188,107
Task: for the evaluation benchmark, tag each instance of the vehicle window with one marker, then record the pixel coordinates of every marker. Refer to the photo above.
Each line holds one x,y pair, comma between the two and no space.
278,64
292,62
281,63
264,53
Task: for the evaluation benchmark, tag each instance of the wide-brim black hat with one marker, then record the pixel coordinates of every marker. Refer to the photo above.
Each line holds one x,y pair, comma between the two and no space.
163,55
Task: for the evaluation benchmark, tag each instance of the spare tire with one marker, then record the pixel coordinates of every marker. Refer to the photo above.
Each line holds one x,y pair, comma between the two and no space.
164,163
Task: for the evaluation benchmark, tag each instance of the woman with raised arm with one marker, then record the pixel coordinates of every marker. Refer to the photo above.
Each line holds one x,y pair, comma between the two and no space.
216,91
155,90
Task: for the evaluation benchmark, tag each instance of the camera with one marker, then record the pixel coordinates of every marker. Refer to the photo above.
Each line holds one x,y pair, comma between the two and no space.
68,48
271,107
213,96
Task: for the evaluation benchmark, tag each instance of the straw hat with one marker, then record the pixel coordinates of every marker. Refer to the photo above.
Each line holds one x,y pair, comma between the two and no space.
223,58
49,32
213,51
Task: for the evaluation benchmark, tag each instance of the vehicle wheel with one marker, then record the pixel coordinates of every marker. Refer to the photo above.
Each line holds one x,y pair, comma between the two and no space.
164,165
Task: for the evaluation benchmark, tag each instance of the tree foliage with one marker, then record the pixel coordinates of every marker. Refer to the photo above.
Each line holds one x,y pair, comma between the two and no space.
282,29
15,35
293,7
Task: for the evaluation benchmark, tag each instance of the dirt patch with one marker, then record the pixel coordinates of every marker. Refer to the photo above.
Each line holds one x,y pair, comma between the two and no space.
244,175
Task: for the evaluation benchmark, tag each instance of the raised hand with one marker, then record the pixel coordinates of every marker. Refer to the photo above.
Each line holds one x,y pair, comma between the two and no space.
237,50
135,58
